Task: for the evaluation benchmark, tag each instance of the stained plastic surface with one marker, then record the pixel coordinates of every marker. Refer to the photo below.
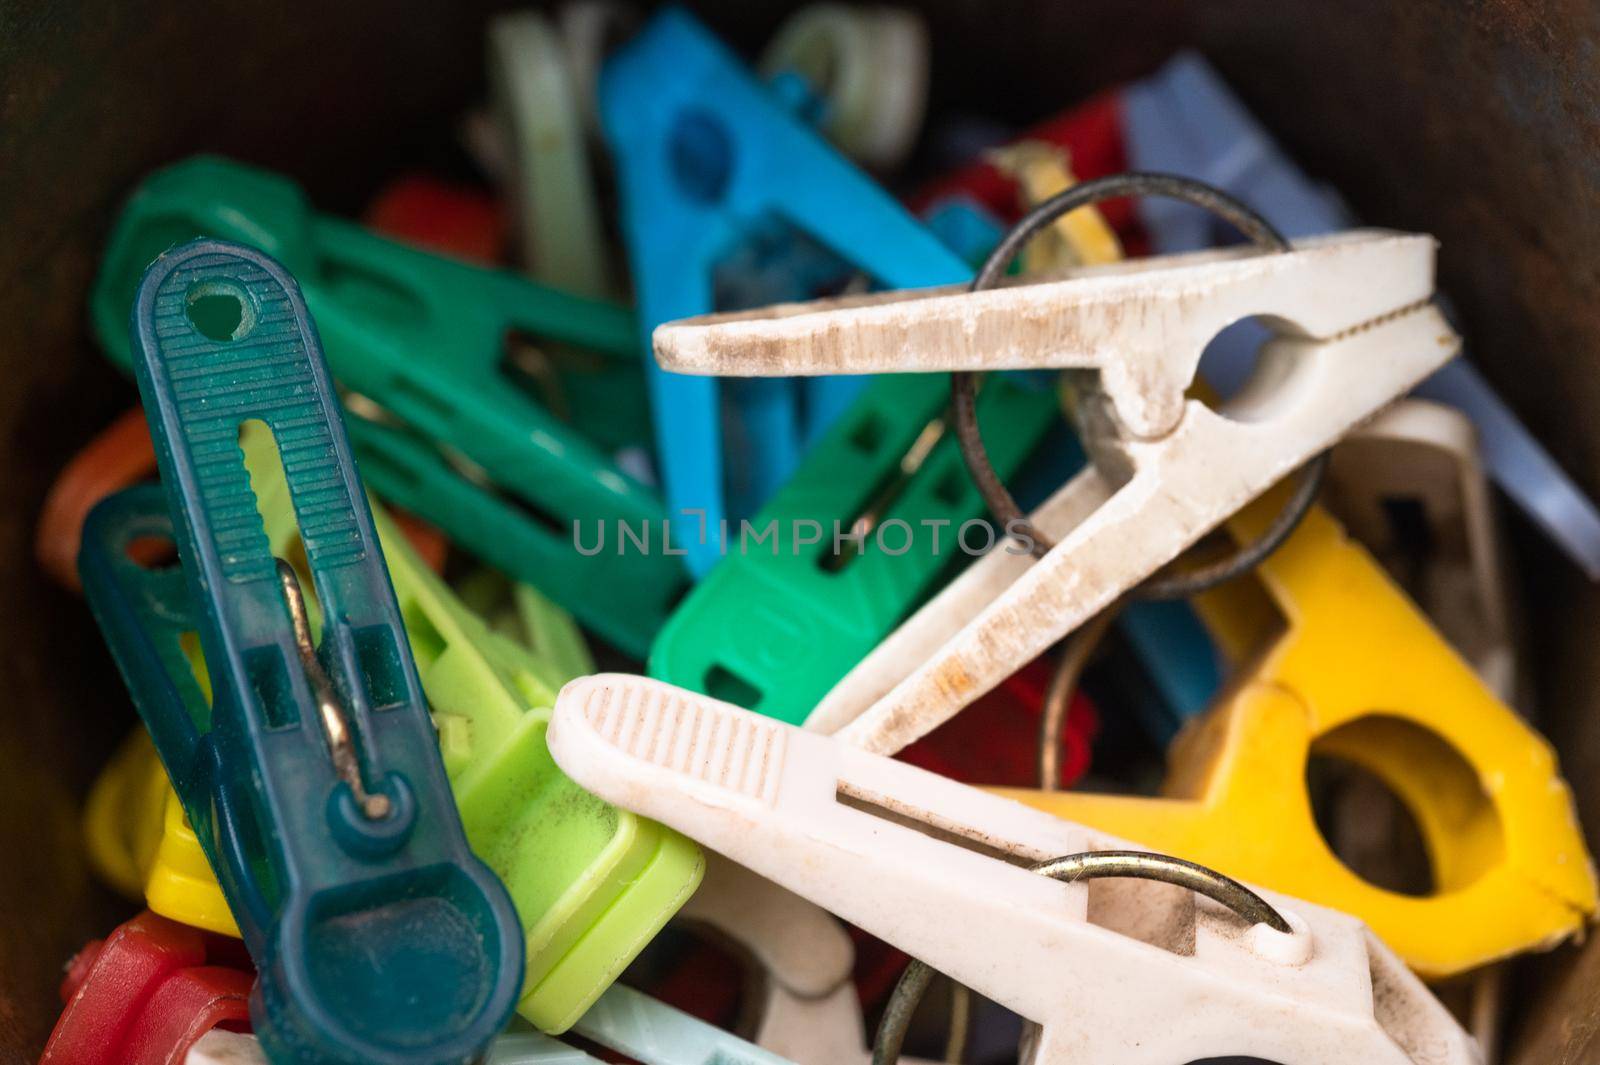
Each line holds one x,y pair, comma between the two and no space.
144,995
350,910
776,624
1352,670
441,354
704,153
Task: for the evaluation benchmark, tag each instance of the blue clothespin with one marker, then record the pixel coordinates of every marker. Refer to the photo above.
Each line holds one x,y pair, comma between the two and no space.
705,153
1184,120
313,779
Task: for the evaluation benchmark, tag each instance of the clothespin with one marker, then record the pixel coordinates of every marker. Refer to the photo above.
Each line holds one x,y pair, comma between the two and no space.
1166,469
867,69
1411,483
144,995
436,215
1184,119
593,884
623,1021
1102,971
780,621
705,154
312,781
119,456
434,357
536,104
1510,870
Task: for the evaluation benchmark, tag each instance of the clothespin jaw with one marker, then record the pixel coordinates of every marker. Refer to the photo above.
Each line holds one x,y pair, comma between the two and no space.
779,622
1510,869
705,155
332,823
481,401
933,867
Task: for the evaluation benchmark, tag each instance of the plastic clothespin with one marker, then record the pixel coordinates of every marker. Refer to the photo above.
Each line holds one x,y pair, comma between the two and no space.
119,456
779,622
1184,119
1104,971
1510,870
594,883
435,215
809,1011
1359,330
536,103
313,782
706,155
1410,484
623,1021
144,995
868,65
434,355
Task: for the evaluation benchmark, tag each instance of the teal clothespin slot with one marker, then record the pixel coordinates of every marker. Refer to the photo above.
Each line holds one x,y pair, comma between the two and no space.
705,155
481,401
313,780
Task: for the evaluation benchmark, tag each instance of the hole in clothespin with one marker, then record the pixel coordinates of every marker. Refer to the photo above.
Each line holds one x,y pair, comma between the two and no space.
220,310
1363,816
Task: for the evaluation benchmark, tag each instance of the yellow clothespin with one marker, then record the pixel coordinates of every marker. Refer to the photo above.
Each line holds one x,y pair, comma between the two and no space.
1358,673
1078,238
141,842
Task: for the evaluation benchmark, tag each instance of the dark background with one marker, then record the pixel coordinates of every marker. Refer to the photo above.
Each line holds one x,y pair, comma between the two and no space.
1475,120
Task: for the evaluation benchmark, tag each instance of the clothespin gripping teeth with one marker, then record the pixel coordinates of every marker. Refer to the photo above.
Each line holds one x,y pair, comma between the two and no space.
940,870
315,785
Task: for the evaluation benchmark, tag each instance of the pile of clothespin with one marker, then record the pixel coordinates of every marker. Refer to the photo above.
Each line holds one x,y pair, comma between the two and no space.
1069,587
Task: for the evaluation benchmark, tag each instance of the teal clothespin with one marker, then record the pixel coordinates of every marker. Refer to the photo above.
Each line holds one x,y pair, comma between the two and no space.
437,358
313,781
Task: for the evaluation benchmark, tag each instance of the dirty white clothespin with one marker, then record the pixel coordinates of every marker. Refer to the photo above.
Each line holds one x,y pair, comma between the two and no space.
1355,330
1135,973
809,1010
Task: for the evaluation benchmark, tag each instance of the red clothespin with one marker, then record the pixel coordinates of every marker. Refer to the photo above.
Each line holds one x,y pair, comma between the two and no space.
121,455
438,216
145,993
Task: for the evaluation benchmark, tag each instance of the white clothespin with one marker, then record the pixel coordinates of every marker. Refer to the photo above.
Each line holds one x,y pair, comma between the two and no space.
1355,330
1105,971
809,1010
1419,462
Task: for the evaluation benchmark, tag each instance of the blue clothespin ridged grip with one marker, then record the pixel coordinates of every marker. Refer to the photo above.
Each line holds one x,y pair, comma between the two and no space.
706,155
316,784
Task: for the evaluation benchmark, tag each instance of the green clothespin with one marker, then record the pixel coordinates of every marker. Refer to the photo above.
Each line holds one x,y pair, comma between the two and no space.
440,363
592,884
775,624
